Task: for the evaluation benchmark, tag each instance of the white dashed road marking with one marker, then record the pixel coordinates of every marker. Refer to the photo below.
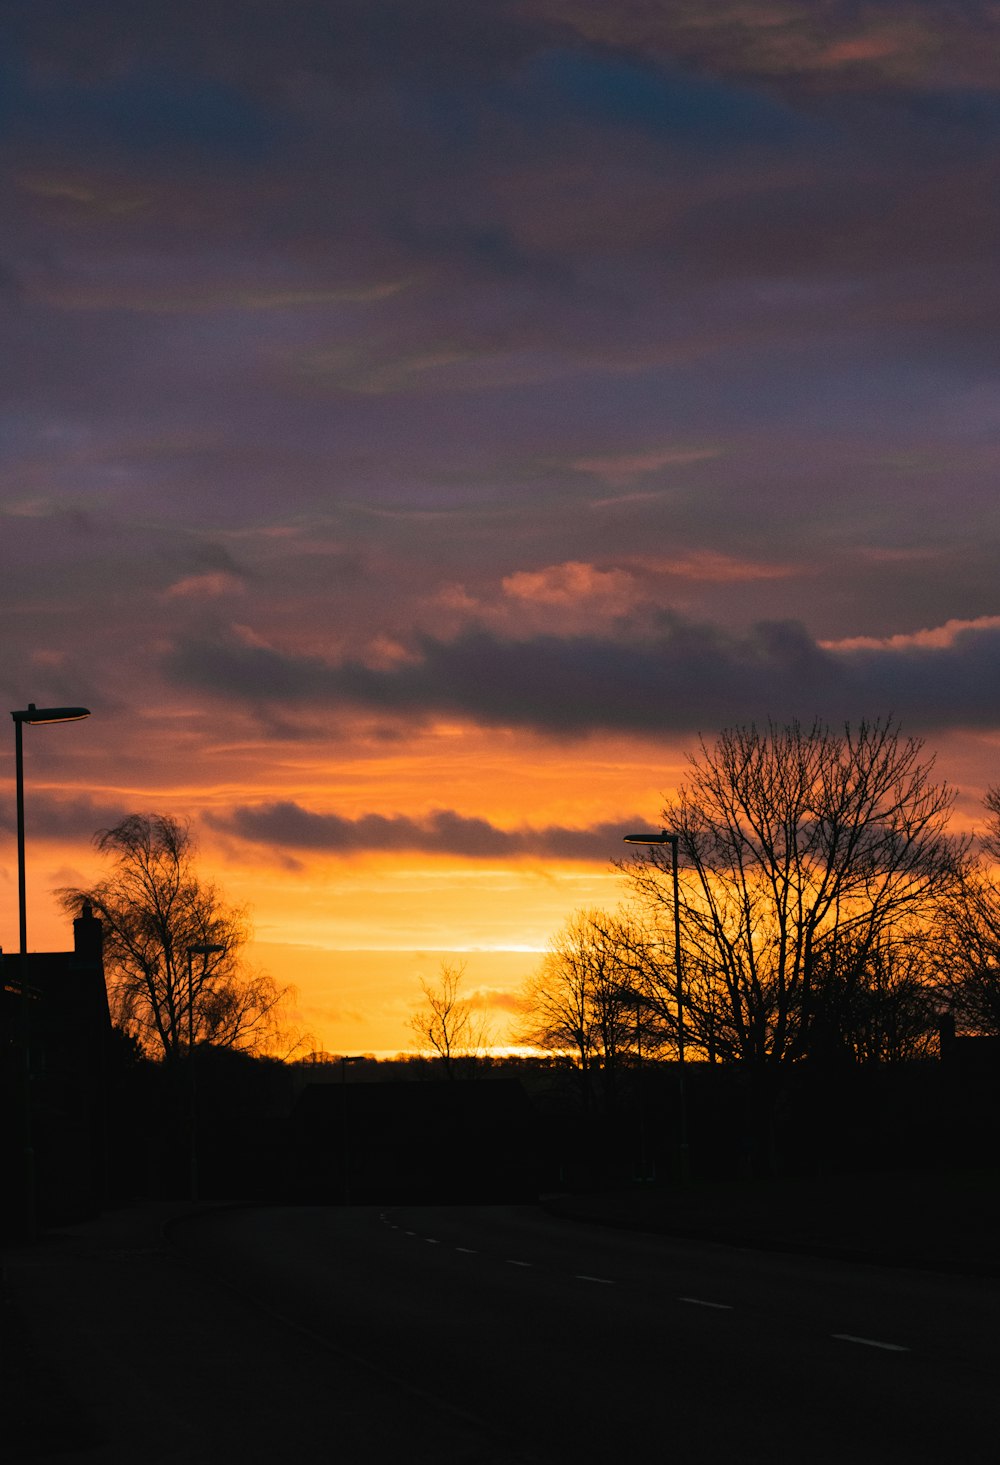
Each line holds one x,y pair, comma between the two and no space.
871,1343
691,1301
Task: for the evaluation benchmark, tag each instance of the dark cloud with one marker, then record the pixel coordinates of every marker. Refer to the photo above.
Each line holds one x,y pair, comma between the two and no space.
450,164
210,555
934,687
249,672
689,678
286,825
50,817
563,85
830,48
142,111
266,47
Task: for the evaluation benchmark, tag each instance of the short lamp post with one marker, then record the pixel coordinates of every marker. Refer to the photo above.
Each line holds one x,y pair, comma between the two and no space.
32,716
345,1150
674,841
204,950
635,998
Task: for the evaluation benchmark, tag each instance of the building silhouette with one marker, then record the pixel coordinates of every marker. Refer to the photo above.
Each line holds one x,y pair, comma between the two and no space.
56,1047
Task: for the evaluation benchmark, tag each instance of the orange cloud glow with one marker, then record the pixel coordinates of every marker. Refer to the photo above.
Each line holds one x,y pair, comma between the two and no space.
934,637
570,583
624,468
721,568
216,583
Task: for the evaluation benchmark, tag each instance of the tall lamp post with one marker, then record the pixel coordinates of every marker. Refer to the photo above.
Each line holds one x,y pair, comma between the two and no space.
204,950
674,841
33,716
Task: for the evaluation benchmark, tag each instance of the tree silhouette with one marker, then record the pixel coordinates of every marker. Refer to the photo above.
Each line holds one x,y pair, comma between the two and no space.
803,854
875,1001
447,1025
968,946
589,997
156,912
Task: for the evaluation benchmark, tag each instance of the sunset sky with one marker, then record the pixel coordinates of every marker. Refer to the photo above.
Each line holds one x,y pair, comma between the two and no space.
423,418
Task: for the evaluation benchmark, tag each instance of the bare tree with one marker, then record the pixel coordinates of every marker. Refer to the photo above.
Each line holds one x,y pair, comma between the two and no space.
447,1025
157,912
875,1002
968,936
589,997
802,852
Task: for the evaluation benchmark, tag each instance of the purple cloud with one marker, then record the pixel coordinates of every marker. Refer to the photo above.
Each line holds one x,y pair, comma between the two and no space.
50,817
287,825
689,678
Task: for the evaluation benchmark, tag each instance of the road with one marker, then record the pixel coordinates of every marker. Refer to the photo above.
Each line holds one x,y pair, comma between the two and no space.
560,1342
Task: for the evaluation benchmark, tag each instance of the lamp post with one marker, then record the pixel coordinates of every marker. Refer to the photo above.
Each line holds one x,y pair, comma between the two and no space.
33,716
674,841
204,950
630,995
345,1059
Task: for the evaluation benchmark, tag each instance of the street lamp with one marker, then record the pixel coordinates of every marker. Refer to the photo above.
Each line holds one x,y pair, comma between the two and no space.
674,841
345,1059
204,950
630,994
31,715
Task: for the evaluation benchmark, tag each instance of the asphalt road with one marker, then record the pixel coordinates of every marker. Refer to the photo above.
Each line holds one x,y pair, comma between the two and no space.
550,1341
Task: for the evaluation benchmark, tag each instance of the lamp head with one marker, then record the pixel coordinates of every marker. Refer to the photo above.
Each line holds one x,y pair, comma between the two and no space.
33,715
662,838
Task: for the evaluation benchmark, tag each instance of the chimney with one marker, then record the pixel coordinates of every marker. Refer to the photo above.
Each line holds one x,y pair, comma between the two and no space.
88,936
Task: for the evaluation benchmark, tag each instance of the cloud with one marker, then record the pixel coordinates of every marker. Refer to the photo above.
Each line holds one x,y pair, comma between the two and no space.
166,111
441,145
689,677
52,817
568,584
883,41
660,100
710,565
836,45
623,468
214,584
287,825
496,999
939,638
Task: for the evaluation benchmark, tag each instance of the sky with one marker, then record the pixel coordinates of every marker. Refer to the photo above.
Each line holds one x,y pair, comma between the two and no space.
422,420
